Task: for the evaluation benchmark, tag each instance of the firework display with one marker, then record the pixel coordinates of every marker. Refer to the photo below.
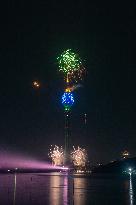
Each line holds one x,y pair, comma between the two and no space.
67,100
79,157
69,62
57,155
71,66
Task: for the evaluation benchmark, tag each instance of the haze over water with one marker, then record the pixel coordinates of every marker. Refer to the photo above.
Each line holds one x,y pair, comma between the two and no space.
57,189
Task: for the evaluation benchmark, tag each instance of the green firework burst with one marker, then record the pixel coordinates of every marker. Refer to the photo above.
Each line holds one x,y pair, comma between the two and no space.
69,62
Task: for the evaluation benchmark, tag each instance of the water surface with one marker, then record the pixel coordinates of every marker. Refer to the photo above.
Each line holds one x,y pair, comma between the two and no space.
60,189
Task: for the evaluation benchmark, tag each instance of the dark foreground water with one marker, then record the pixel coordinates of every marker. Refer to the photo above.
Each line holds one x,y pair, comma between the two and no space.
58,189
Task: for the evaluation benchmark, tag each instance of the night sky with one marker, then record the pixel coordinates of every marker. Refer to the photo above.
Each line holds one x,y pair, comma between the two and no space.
32,35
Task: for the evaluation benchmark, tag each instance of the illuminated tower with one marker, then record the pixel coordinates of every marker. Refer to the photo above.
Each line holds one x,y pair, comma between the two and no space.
67,102
73,71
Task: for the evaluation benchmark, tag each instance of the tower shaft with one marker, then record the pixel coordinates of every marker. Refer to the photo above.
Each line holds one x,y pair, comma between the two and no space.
66,151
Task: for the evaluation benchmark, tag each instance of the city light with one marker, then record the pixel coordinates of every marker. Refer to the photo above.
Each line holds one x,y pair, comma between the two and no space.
36,84
125,154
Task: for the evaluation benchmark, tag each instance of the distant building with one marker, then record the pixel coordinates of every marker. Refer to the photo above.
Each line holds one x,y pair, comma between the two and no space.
125,154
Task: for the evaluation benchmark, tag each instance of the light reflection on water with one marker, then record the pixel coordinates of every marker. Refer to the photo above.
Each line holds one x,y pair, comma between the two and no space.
79,191
15,186
130,190
68,189
58,189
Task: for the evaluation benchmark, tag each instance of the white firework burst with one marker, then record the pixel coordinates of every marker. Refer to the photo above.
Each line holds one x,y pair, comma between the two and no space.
56,153
79,157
